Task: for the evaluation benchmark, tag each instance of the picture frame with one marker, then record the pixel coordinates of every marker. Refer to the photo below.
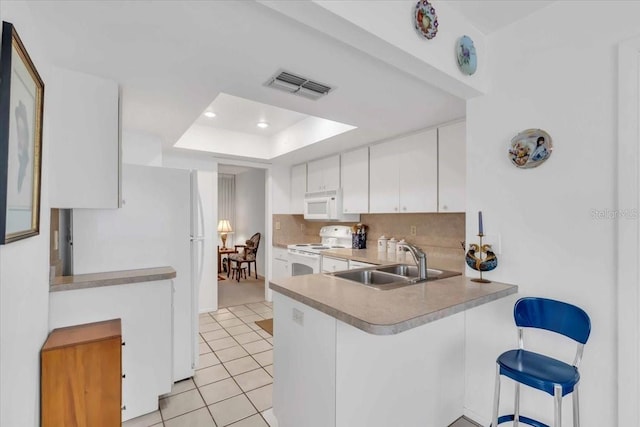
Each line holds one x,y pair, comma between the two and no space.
21,111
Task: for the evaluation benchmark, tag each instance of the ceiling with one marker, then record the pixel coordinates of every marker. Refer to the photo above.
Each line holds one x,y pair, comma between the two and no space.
242,115
173,59
490,16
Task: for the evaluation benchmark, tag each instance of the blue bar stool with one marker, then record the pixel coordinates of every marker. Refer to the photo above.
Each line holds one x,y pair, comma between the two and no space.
539,371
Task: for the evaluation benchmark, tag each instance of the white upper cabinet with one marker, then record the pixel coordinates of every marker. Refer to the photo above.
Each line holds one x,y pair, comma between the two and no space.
452,167
298,188
84,138
404,174
323,174
354,170
384,181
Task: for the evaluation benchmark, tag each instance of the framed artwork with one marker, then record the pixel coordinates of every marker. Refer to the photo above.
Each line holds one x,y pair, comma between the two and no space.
21,106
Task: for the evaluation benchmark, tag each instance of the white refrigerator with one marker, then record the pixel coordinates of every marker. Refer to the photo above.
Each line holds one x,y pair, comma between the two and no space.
161,223
204,261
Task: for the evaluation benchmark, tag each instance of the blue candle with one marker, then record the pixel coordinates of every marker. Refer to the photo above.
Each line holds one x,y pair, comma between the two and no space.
480,231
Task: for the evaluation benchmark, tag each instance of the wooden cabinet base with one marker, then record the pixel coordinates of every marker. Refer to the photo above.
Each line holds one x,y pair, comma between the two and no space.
81,376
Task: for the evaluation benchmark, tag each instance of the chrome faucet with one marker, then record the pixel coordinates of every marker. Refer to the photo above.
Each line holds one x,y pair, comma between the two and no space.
419,256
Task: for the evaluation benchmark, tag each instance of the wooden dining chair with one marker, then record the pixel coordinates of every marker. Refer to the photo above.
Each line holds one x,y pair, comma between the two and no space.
247,253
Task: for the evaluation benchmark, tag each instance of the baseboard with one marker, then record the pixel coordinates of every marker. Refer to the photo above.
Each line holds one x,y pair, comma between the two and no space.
467,420
473,417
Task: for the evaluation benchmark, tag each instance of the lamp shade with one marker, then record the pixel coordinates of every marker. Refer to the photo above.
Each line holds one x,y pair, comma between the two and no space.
224,226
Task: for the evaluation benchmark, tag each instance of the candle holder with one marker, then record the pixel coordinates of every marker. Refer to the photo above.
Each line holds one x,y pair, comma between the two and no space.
478,262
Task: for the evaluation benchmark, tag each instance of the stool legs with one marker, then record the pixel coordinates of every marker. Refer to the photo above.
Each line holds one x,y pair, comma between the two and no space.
516,407
557,403
496,397
576,407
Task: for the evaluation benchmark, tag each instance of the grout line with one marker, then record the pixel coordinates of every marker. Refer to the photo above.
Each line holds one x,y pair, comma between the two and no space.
260,367
205,403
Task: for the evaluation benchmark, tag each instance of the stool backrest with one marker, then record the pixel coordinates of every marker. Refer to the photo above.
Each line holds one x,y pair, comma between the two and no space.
552,315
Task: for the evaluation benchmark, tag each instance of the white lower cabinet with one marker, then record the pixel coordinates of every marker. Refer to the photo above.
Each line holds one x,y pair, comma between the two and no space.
280,264
329,264
345,377
145,310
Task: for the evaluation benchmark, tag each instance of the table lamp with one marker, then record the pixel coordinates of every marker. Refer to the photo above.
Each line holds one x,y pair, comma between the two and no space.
223,228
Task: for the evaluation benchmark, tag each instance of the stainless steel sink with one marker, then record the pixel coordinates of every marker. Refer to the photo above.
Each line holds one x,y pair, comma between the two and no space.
370,277
391,276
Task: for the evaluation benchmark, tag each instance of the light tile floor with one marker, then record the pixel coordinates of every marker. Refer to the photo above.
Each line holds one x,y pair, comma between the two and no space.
234,381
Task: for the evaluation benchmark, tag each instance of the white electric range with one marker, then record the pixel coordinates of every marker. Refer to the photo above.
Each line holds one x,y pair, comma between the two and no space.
304,258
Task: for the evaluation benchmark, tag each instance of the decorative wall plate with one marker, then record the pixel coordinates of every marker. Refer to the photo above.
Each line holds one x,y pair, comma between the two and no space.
425,19
530,148
466,53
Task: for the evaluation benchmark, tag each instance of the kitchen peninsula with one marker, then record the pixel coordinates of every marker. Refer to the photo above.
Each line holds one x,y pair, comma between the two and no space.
347,355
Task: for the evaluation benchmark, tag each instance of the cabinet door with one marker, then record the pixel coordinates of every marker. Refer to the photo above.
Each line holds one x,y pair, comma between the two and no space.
418,172
279,263
323,174
84,134
383,178
280,269
355,181
314,176
298,188
452,165
331,173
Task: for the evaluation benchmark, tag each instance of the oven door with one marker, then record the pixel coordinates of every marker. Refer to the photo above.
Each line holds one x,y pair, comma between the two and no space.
304,263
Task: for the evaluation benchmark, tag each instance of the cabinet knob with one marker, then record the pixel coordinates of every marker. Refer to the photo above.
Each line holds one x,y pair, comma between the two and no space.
395,209
445,207
124,375
404,208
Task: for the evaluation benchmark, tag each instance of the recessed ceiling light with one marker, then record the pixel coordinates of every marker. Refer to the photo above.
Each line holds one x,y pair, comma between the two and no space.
263,125
210,114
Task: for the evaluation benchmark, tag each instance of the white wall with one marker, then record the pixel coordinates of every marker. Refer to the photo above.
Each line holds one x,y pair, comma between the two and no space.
24,274
141,148
250,212
556,72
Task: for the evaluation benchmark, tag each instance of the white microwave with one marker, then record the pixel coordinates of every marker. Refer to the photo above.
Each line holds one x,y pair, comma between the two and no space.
326,206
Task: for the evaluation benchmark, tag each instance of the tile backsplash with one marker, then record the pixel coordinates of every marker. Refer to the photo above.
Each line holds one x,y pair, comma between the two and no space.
438,234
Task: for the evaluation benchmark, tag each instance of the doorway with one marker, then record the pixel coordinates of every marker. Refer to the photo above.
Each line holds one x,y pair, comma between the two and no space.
242,210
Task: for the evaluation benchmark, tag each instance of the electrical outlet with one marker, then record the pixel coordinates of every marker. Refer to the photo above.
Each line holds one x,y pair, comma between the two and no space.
277,225
301,227
298,316
413,230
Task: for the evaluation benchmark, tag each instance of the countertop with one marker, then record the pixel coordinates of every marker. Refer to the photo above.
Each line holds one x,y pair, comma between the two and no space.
111,278
387,312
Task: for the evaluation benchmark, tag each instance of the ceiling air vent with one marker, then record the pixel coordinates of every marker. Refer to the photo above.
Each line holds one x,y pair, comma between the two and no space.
298,85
